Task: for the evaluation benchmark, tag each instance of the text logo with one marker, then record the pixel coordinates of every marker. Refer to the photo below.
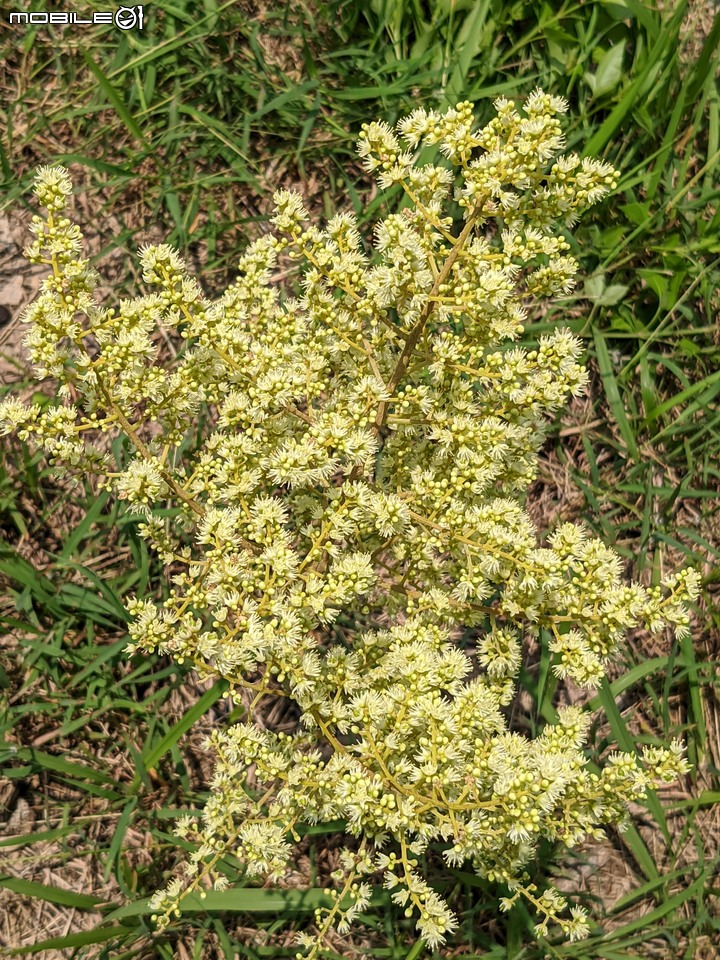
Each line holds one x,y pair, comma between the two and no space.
124,18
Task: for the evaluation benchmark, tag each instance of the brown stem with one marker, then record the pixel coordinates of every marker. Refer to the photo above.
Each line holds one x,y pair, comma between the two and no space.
417,330
130,431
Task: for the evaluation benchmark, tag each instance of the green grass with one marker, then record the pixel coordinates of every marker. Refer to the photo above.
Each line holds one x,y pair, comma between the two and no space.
187,130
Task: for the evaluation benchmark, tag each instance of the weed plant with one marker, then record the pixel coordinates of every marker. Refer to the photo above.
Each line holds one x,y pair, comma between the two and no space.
642,452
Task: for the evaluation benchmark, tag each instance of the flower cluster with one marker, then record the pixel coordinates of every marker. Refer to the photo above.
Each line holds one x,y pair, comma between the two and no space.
352,496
